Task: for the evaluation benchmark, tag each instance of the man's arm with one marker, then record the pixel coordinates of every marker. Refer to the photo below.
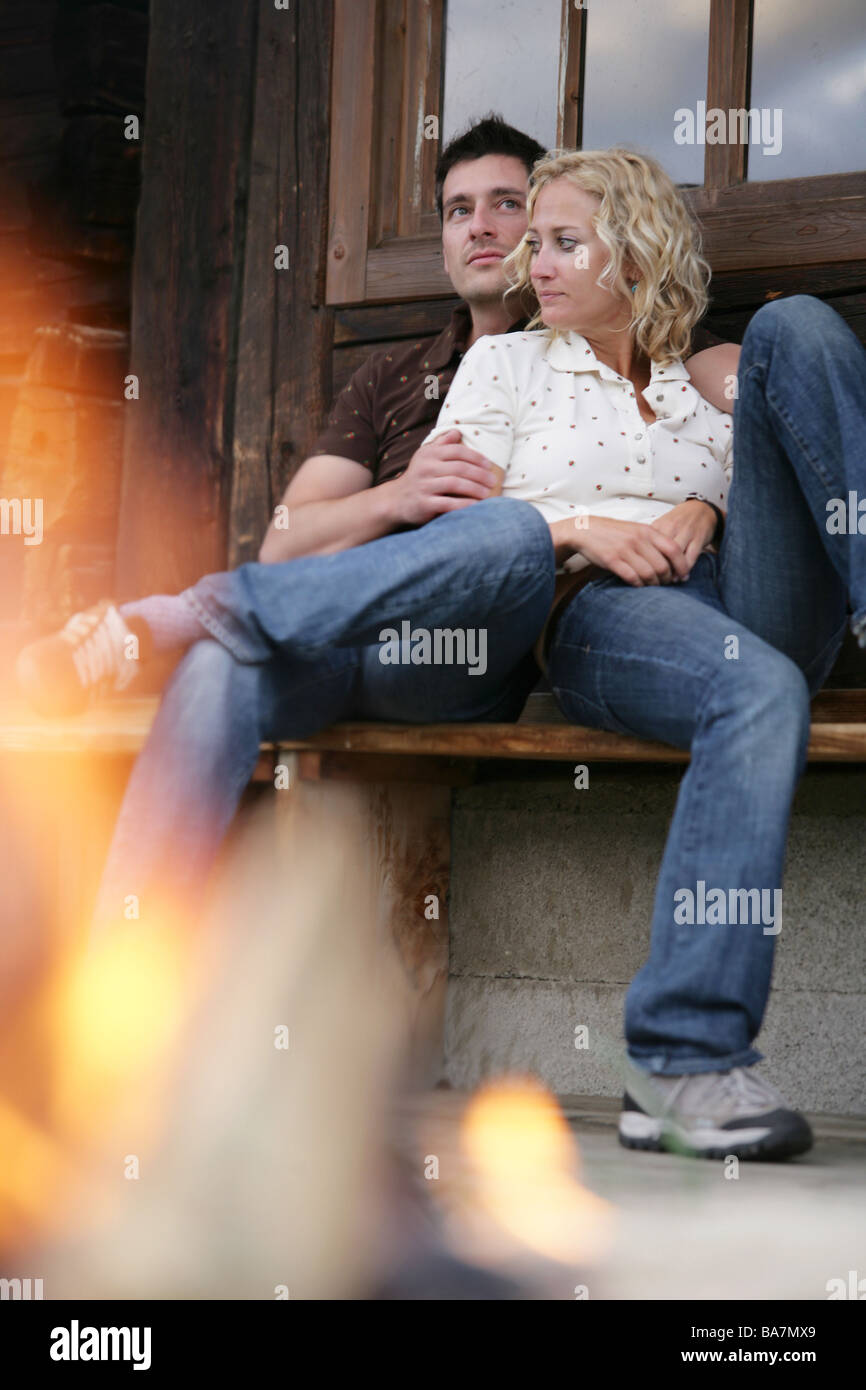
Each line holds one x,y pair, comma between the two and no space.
714,374
331,505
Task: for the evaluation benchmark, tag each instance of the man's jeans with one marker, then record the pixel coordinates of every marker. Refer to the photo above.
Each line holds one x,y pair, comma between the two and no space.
297,648
662,662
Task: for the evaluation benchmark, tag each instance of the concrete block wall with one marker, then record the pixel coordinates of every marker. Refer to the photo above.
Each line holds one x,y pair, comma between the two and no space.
551,901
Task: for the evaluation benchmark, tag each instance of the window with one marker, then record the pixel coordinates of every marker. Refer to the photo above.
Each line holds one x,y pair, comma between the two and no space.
623,69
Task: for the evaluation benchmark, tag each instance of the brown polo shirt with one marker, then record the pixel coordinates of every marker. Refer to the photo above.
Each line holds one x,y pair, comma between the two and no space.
391,403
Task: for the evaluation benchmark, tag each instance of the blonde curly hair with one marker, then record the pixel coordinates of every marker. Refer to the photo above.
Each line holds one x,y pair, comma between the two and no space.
642,218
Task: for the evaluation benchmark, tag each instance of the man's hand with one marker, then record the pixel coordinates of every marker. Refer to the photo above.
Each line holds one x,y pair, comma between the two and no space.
632,550
442,477
691,524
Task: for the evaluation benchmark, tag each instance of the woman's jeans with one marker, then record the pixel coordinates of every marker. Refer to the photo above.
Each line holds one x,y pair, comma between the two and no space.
725,664
297,646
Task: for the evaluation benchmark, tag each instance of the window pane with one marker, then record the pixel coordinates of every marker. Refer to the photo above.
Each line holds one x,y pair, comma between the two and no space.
502,55
810,64
645,62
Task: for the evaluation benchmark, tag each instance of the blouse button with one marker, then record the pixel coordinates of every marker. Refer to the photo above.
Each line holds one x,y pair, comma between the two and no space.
659,398
638,436
641,458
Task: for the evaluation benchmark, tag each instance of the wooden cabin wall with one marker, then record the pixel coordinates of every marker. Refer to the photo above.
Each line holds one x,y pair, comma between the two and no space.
71,76
232,351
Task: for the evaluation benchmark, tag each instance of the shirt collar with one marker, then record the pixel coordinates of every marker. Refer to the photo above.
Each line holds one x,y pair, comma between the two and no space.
569,352
455,336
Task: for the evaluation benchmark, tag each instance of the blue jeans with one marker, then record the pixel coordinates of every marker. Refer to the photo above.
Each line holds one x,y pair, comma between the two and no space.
296,648
659,662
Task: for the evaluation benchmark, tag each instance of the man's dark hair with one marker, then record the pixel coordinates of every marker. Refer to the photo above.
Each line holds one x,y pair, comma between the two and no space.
491,135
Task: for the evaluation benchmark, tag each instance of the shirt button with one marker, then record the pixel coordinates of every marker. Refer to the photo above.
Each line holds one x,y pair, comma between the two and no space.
659,398
641,458
638,436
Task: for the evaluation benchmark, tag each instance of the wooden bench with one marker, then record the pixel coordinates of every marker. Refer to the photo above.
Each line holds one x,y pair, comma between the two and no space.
388,784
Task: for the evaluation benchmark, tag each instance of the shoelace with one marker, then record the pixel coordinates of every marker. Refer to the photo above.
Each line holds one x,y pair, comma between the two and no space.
98,655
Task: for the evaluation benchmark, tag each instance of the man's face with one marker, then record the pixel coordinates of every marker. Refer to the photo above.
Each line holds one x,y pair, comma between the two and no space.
483,218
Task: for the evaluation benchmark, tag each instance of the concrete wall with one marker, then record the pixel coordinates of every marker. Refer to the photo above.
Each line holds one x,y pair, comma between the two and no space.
551,900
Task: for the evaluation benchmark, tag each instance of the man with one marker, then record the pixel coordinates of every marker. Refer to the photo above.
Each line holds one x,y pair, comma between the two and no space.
302,650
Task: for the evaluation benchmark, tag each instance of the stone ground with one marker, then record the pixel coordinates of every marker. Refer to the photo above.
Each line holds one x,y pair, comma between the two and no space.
680,1229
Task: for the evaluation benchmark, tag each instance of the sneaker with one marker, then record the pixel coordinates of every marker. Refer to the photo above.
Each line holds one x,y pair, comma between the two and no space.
712,1114
91,657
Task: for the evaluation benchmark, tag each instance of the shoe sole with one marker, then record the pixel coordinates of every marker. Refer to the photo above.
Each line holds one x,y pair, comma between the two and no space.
784,1136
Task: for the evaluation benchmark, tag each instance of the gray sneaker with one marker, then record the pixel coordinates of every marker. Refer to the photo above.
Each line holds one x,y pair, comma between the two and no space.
711,1114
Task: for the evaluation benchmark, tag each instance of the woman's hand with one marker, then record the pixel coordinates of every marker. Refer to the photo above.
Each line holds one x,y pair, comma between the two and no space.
691,524
635,552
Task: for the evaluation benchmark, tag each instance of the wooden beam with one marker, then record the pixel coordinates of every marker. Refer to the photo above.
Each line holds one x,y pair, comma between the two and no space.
121,726
352,106
792,223
422,68
728,73
746,231
572,51
284,381
186,284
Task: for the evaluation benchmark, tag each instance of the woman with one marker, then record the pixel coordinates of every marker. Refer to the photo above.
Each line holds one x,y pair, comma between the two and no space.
670,629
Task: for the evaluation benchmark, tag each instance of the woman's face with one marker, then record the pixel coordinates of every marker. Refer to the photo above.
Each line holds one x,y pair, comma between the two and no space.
567,259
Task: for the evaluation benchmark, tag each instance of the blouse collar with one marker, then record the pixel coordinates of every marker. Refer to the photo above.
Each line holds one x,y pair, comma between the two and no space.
569,352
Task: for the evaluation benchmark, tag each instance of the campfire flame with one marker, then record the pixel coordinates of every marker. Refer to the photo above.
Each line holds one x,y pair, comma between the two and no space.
526,1168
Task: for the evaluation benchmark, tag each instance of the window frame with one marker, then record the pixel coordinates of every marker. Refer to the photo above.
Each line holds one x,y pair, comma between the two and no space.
384,241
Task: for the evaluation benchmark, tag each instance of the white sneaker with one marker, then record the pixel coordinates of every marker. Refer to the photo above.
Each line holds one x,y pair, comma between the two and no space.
96,654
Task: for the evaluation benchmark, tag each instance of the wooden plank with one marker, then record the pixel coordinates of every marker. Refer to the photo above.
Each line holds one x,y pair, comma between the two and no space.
819,189
572,56
796,236
829,742
375,323
750,288
422,64
186,284
121,726
407,268
407,85
728,70
750,228
284,378
387,138
352,105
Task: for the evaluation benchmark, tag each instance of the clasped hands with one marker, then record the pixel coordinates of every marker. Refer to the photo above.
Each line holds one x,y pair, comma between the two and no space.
659,552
